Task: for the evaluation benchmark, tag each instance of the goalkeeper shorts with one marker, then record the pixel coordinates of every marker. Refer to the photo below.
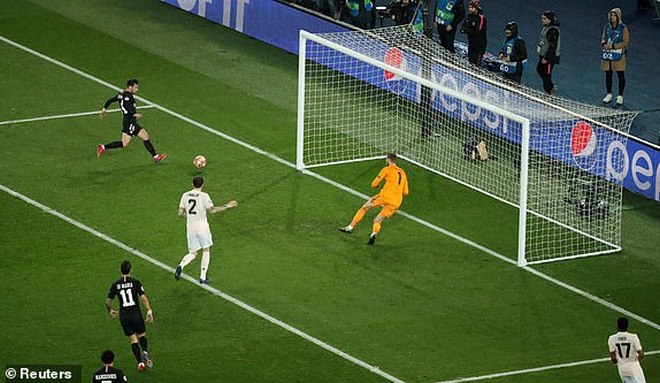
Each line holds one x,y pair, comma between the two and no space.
388,208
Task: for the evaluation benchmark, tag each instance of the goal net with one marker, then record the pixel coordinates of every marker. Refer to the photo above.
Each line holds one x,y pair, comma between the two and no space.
363,94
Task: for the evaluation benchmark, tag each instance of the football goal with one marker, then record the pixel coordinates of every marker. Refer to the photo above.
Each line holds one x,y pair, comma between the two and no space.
363,94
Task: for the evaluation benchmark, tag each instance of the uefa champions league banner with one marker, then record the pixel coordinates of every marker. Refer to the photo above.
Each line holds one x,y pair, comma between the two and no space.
578,143
270,21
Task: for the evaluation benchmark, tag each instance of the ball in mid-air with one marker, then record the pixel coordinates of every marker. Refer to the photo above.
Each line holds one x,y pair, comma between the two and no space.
199,161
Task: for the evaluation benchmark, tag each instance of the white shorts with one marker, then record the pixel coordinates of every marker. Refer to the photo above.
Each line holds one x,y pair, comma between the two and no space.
633,379
197,241
631,373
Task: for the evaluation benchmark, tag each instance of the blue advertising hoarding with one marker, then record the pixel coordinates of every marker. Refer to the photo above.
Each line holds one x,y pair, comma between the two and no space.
600,151
270,21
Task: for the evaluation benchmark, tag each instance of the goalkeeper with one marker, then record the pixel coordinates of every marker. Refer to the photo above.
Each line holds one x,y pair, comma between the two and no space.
390,197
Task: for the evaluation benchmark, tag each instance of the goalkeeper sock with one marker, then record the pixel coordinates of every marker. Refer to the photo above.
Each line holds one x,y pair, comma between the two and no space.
376,228
358,217
187,259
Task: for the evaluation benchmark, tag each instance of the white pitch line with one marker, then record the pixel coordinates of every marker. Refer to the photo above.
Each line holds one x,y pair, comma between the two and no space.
46,118
338,185
208,288
537,369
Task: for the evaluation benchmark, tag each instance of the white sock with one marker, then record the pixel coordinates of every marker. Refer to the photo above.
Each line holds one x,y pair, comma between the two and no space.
206,259
187,259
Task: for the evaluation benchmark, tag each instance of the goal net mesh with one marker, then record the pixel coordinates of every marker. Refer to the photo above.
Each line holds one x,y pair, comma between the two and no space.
368,93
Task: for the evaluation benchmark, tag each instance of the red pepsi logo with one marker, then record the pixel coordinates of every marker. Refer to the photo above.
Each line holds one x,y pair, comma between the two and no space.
583,145
395,58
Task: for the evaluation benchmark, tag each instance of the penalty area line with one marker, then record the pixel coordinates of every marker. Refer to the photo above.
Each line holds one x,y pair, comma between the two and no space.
537,369
212,290
61,116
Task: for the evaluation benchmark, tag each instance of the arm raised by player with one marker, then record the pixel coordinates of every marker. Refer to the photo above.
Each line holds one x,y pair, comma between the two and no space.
150,313
229,205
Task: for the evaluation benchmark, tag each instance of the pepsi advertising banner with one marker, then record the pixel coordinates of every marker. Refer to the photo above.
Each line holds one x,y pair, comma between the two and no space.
577,143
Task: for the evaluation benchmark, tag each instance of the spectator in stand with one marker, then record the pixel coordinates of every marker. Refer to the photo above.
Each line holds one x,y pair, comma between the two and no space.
448,14
475,28
614,42
548,49
360,13
513,54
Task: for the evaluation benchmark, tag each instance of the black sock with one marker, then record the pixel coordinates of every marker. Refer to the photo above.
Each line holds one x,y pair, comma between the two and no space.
136,351
150,147
143,343
114,144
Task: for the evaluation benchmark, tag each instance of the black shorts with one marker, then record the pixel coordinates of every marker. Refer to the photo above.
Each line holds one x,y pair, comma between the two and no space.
132,324
131,127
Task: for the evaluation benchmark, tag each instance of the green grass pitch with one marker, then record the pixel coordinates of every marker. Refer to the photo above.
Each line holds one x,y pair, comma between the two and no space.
421,306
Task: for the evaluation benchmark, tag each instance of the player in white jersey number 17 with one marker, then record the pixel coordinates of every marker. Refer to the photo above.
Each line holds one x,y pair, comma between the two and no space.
626,352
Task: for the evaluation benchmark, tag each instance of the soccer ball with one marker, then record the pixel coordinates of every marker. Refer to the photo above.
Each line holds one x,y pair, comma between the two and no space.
199,161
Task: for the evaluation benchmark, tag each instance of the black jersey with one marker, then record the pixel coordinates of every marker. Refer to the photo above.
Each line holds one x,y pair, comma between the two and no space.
128,290
126,102
107,374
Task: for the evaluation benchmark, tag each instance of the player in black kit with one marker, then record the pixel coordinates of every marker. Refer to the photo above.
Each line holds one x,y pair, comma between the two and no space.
128,290
108,373
131,127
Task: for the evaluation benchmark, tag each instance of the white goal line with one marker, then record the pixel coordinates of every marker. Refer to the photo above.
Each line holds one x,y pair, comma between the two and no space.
255,149
537,369
60,116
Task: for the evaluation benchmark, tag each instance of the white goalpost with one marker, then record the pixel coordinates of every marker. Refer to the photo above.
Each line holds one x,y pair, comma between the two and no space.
363,94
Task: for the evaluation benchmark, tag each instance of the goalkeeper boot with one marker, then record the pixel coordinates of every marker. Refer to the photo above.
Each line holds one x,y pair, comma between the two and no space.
346,229
607,99
372,239
619,100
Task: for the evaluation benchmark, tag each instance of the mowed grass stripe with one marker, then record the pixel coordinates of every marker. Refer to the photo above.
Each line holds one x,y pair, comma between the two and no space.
324,179
54,286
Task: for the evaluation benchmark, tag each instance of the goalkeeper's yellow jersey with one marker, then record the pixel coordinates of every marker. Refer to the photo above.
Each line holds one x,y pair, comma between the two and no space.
396,184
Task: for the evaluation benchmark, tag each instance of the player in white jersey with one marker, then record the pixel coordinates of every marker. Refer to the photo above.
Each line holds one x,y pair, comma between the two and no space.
626,352
194,205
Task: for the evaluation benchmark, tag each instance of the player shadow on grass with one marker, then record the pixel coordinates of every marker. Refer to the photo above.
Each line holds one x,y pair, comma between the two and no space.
111,176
